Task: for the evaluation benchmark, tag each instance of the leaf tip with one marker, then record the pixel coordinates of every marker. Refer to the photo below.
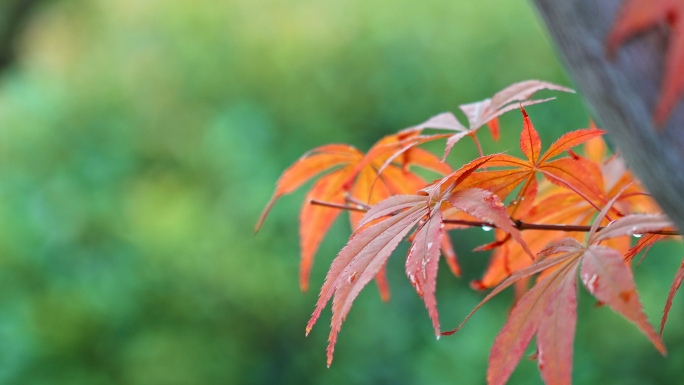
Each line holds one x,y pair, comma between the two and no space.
478,285
264,213
522,109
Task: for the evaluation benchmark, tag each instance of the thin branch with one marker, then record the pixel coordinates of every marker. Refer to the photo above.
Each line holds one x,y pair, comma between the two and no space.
358,203
520,225
337,206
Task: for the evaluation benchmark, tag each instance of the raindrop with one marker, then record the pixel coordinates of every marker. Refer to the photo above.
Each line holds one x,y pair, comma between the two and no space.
637,235
429,245
416,285
352,277
487,228
590,282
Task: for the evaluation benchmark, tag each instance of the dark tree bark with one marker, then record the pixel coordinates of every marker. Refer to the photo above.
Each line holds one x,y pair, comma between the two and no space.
622,93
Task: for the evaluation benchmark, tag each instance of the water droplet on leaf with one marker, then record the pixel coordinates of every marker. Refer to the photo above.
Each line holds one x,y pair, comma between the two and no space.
416,285
590,282
487,228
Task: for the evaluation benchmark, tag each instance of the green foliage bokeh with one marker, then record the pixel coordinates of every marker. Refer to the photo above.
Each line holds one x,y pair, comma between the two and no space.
139,141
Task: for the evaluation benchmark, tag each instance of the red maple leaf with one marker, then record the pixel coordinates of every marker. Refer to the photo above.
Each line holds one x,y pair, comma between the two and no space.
566,172
639,15
558,205
549,308
386,224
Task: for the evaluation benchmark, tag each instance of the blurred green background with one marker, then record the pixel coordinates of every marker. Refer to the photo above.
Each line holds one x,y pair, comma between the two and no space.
139,140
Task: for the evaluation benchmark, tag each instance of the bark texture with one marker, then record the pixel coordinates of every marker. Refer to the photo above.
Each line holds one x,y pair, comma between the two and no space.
622,93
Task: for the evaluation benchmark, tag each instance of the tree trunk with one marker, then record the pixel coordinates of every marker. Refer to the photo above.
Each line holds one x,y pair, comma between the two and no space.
622,93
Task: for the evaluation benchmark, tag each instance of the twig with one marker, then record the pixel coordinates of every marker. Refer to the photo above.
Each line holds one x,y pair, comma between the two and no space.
518,224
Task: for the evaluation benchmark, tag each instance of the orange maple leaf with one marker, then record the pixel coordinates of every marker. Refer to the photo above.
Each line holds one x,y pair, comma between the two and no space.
566,172
549,310
556,205
355,179
639,15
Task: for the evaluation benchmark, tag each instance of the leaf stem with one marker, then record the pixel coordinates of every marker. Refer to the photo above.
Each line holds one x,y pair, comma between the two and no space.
337,206
518,224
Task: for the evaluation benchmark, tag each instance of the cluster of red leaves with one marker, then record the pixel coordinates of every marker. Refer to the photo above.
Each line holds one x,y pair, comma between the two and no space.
549,195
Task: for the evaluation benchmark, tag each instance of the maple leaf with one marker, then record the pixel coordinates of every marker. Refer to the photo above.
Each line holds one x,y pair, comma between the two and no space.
639,15
487,111
356,176
549,308
534,313
383,227
676,283
556,205
566,172
644,243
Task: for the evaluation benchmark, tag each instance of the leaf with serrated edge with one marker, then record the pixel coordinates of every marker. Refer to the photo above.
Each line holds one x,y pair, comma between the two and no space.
565,245
486,206
454,179
480,113
607,277
570,173
450,256
357,243
427,160
633,224
530,144
604,213
308,166
565,172
517,275
570,140
557,332
421,263
644,242
364,265
390,206
676,283
314,220
383,285
521,325
487,111
364,192
361,173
